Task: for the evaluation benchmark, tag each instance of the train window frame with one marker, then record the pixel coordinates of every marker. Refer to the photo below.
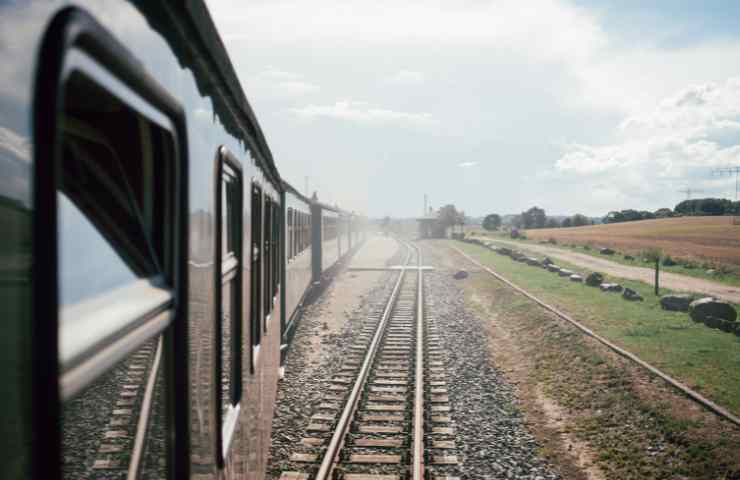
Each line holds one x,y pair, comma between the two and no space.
255,264
268,253
229,188
76,45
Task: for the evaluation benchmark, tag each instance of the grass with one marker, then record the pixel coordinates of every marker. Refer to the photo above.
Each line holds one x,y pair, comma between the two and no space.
601,398
705,359
728,278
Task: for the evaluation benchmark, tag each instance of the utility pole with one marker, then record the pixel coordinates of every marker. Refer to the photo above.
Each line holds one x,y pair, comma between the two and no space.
729,171
424,213
688,191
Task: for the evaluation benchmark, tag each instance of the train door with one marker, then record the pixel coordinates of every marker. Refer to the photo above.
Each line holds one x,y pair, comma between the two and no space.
228,294
267,264
256,273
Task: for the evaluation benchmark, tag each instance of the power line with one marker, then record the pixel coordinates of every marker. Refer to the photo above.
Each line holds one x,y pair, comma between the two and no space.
729,171
688,191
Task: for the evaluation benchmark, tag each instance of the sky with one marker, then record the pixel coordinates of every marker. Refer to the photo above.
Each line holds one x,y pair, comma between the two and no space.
494,106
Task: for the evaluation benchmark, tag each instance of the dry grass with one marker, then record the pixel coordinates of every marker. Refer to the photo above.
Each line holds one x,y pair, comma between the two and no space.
699,239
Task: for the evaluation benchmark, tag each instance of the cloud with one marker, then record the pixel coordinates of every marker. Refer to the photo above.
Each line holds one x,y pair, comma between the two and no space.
545,69
275,84
680,140
362,112
14,145
467,164
405,77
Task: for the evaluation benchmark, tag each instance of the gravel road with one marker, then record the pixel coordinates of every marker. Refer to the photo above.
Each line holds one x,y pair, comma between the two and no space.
673,281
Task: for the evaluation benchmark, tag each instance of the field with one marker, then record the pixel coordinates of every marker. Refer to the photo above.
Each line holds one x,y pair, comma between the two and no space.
704,358
614,418
703,240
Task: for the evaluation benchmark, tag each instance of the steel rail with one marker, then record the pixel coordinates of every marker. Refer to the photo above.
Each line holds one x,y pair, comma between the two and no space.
337,439
692,394
143,424
417,467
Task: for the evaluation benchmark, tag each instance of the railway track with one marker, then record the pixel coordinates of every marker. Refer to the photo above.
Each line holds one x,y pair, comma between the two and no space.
386,414
112,417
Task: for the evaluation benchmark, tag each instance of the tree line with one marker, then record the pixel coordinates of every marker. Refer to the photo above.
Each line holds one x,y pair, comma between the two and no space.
536,217
693,207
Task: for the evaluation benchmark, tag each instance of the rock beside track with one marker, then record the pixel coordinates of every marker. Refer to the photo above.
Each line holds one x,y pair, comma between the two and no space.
594,279
632,295
676,302
704,308
610,287
462,274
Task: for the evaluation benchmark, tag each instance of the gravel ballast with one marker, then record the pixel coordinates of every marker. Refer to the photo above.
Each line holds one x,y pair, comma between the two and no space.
491,438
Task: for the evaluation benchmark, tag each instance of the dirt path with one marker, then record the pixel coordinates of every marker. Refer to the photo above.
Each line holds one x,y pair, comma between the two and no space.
669,280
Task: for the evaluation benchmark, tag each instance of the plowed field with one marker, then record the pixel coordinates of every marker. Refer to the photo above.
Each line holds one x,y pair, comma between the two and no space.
701,239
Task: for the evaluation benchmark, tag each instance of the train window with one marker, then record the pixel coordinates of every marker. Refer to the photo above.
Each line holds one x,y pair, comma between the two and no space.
228,280
112,225
109,260
289,234
267,264
256,272
275,248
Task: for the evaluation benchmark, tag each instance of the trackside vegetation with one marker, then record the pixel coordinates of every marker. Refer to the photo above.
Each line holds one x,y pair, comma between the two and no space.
705,359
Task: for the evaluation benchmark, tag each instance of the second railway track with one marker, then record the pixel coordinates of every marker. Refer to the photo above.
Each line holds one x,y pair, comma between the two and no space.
386,414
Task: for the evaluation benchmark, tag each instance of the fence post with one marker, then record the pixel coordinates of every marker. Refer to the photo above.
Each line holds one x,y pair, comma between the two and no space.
657,272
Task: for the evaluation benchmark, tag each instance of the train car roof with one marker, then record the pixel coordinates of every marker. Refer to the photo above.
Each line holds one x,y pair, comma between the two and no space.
189,29
294,191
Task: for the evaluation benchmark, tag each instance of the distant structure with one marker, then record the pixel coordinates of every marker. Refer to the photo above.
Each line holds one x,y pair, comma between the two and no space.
729,171
688,191
429,227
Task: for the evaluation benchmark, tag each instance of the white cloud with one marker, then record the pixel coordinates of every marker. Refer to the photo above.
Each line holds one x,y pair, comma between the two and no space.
677,142
467,164
275,84
362,112
405,77
15,145
542,69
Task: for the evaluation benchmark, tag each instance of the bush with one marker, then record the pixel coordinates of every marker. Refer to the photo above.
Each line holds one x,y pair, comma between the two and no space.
651,254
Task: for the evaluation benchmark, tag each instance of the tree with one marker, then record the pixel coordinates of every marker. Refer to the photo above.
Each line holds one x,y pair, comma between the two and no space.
579,220
492,222
567,222
534,218
663,213
705,206
552,223
448,216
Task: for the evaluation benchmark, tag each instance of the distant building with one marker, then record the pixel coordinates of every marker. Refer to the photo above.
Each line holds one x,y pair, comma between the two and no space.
429,227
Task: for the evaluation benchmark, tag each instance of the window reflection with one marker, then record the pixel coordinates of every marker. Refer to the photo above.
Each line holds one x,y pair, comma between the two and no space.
88,265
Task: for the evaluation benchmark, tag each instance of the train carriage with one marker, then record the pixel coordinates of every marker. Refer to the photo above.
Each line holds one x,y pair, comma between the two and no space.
141,262
153,261
297,257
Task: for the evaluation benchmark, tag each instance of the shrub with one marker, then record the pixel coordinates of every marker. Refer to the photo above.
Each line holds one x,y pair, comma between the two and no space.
651,254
